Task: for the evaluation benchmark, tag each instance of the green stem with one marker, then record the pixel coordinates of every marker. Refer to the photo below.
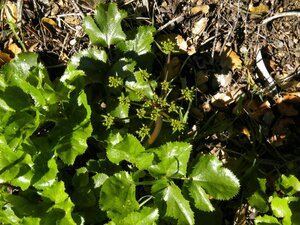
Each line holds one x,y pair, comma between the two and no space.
17,37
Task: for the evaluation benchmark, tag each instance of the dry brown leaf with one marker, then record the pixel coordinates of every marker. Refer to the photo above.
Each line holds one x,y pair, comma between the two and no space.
291,97
261,8
73,20
10,10
277,140
47,21
33,47
200,8
221,100
54,9
199,26
183,45
229,59
14,48
4,58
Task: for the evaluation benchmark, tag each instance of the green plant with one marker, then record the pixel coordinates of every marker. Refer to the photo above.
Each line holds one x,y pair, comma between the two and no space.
280,207
80,150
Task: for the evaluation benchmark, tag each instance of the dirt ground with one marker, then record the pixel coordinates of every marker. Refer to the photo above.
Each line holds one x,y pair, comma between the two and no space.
243,62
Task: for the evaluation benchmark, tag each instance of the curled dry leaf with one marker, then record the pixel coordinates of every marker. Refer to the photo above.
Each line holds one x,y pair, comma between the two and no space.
255,109
224,99
289,105
47,21
4,58
291,97
72,20
229,59
14,49
10,11
261,8
200,26
183,45
200,8
49,24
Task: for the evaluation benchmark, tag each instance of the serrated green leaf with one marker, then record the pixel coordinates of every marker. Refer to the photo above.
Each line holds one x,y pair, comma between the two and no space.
105,29
200,197
81,178
99,179
88,62
266,220
15,166
291,184
141,44
26,73
172,159
281,209
117,196
177,206
45,173
60,213
27,205
14,99
217,181
121,112
139,88
83,194
71,133
31,221
55,192
130,149
147,216
123,68
258,201
8,216
19,127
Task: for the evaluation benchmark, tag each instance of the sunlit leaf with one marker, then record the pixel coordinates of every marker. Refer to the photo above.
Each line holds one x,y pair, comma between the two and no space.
140,88
200,197
26,73
281,209
15,166
117,195
291,184
217,181
172,159
129,149
258,199
105,29
147,216
71,133
141,44
266,220
177,206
